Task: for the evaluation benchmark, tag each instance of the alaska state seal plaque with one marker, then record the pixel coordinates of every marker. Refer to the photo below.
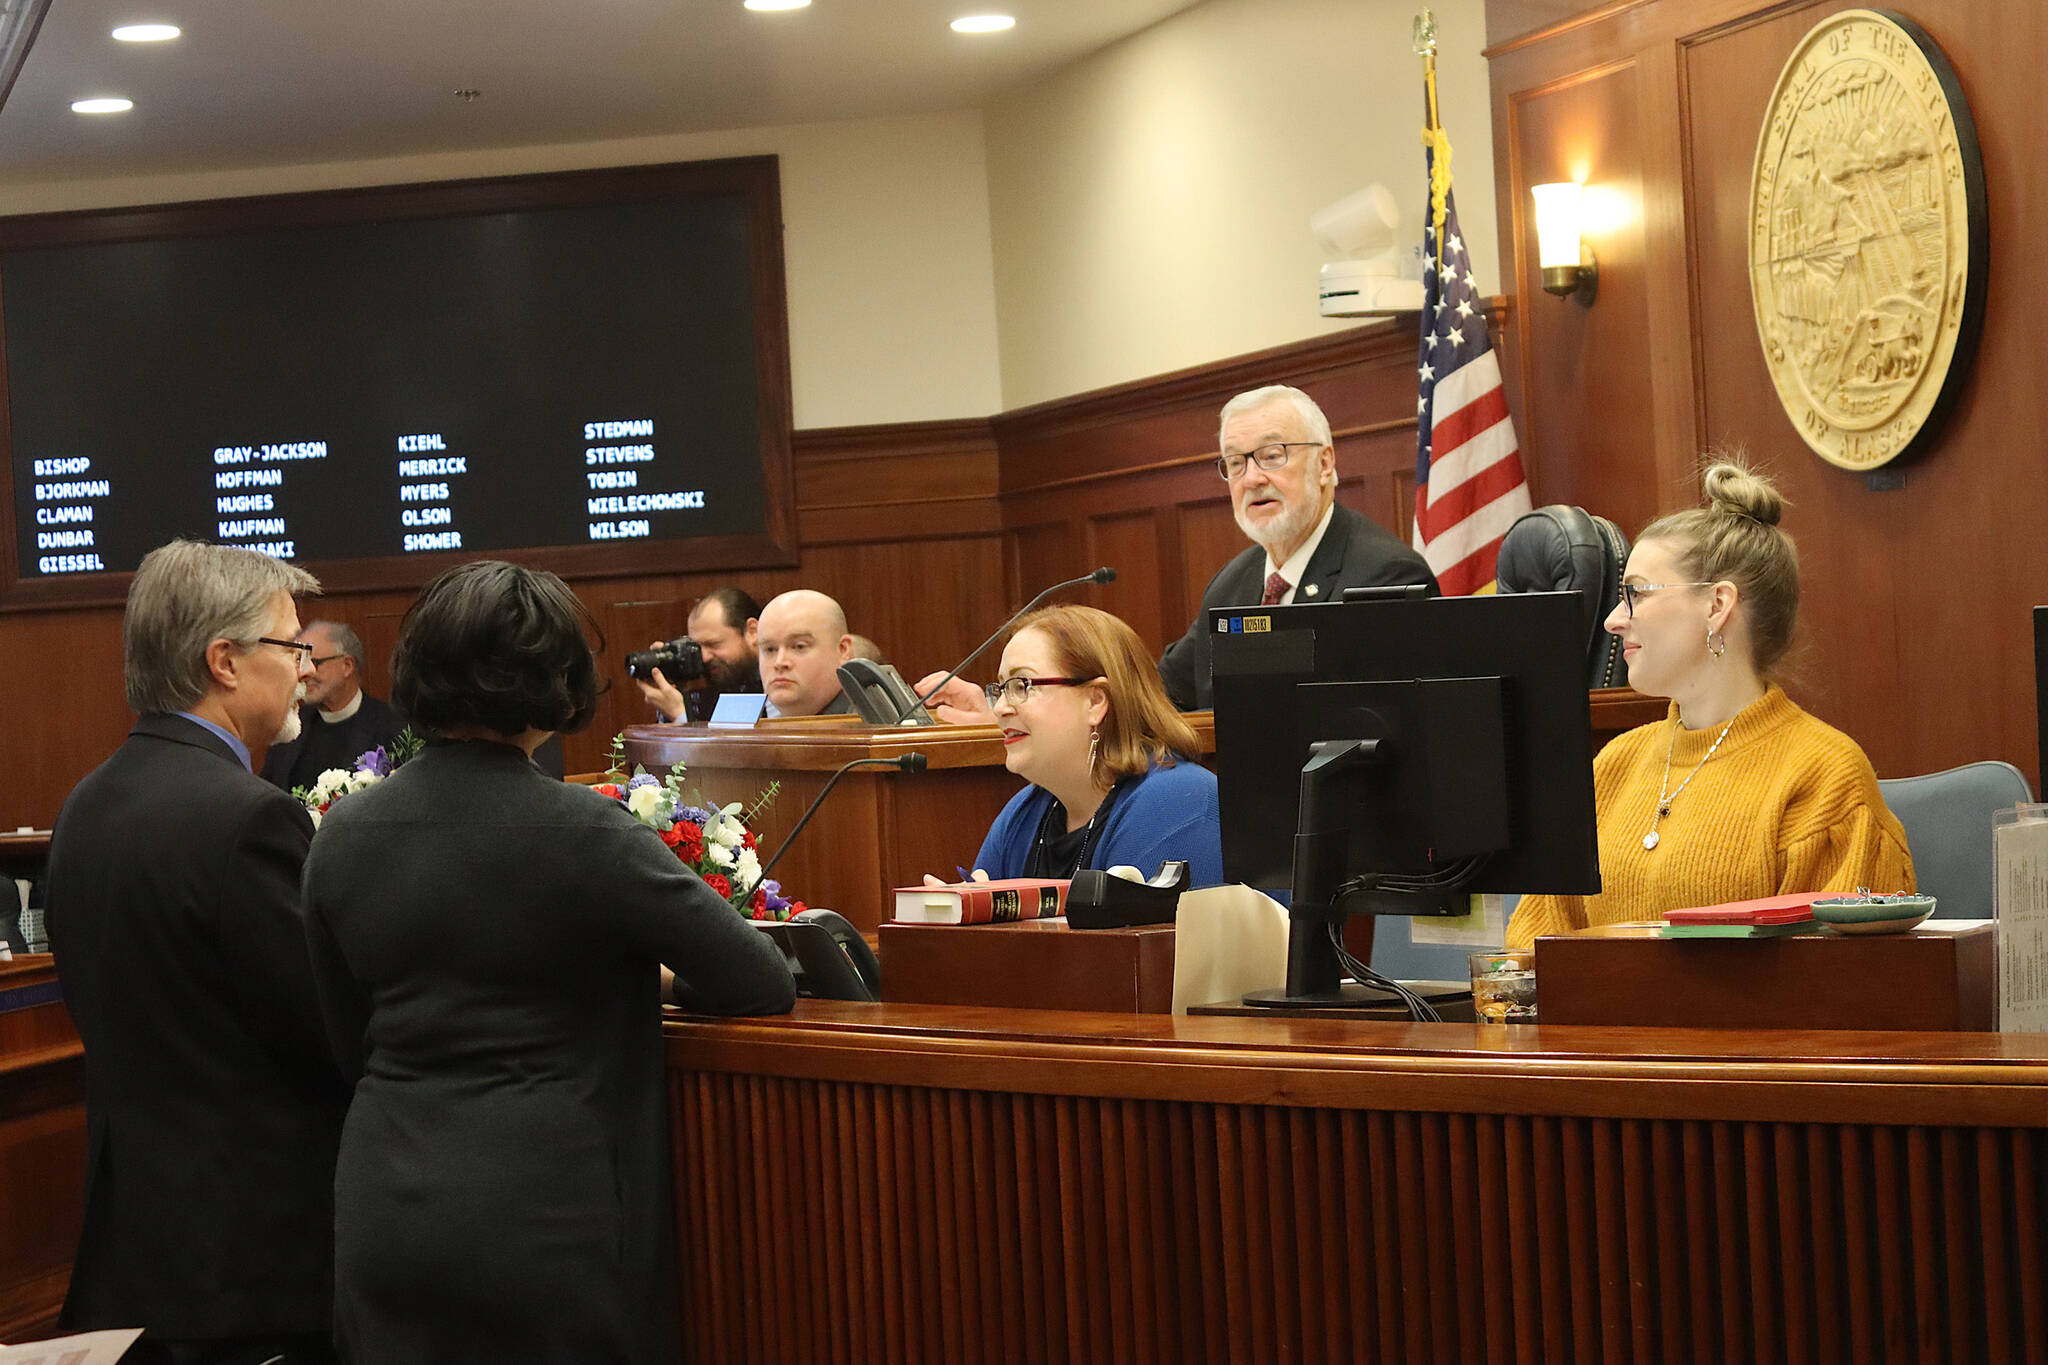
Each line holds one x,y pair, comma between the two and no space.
1867,247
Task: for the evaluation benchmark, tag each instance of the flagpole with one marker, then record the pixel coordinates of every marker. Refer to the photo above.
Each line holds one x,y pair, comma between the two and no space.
1433,135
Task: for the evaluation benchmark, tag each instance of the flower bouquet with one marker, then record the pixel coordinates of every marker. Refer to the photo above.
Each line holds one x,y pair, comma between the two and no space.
712,841
370,768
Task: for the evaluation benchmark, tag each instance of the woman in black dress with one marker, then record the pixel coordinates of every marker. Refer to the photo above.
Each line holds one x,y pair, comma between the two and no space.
490,947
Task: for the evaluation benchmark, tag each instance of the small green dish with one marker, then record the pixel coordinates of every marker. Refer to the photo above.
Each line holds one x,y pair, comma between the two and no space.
1872,914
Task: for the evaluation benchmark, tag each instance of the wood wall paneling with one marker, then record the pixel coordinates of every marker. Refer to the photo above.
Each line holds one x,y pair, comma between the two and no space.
1129,541
63,707
1210,539
1888,653
1586,434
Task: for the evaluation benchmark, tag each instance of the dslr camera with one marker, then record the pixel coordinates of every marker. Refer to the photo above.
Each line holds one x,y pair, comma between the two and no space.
680,661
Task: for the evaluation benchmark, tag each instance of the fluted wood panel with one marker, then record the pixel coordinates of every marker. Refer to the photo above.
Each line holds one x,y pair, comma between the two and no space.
856,1222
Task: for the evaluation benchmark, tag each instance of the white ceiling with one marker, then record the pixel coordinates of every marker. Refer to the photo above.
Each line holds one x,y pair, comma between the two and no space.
272,82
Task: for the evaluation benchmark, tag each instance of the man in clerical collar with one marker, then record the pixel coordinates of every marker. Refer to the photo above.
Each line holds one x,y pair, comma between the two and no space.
339,721
214,1104
1278,459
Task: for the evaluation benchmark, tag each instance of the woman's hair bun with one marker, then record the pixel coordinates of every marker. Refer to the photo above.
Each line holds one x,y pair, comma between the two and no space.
1735,490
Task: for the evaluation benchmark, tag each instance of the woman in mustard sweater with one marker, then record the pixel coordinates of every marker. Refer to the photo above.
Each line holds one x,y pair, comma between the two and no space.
1739,793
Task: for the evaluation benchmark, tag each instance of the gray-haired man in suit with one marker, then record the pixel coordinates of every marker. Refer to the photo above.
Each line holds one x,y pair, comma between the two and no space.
213,1106
1280,463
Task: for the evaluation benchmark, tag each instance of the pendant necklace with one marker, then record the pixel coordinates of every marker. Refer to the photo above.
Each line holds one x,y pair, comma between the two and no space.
1039,863
1665,796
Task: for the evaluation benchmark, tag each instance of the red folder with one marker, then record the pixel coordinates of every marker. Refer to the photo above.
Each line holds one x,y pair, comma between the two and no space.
1768,910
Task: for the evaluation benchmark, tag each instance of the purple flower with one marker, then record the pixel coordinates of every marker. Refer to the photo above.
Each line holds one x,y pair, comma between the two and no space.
643,780
695,815
375,761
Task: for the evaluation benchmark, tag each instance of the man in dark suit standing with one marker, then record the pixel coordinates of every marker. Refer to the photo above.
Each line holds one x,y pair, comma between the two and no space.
214,1106
339,722
1281,466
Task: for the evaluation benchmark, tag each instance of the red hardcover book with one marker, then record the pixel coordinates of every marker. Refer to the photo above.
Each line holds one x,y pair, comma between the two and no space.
1791,909
981,902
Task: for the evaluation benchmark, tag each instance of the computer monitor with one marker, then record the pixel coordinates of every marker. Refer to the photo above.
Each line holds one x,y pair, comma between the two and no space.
1397,756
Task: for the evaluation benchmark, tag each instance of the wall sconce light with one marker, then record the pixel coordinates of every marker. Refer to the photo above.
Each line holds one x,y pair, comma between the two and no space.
1561,252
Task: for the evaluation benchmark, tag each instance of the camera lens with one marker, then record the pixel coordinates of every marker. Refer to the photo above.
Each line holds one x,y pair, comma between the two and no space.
680,661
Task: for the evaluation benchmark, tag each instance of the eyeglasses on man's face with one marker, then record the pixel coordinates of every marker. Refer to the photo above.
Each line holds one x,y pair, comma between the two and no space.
1631,591
1016,691
1268,457
301,649
323,660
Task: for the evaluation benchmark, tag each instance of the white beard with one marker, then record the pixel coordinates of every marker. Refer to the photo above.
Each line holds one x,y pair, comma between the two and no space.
1296,521
289,731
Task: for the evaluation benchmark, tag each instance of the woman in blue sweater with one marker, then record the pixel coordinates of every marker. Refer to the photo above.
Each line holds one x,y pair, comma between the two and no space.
1113,779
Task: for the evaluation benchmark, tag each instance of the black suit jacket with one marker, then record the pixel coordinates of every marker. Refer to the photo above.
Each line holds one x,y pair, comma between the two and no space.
374,723
1355,552
214,1106
484,942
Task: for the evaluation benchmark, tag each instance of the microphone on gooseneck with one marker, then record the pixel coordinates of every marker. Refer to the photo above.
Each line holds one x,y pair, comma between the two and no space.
1105,574
909,763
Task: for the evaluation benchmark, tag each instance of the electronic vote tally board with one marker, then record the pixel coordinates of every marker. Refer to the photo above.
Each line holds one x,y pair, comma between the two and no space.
555,377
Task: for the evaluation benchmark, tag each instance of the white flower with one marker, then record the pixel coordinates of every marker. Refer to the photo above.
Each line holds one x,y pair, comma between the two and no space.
647,803
331,784
316,816
747,867
718,854
727,831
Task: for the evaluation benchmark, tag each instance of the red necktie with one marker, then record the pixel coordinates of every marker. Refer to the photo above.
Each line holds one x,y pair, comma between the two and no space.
1276,588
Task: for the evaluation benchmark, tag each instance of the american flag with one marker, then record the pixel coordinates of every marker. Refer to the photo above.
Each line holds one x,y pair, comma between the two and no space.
1468,470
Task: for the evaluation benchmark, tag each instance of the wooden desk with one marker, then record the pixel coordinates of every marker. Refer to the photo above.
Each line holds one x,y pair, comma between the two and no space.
881,828
1040,964
42,1146
1937,977
24,855
951,1183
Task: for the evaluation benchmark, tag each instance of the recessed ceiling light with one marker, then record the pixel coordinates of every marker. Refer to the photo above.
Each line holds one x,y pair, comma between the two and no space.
147,33
777,4
108,105
983,23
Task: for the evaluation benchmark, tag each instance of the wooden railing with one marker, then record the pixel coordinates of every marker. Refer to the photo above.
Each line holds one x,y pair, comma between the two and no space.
901,1183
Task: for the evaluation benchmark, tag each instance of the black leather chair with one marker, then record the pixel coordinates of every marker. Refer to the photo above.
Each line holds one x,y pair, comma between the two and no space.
1559,548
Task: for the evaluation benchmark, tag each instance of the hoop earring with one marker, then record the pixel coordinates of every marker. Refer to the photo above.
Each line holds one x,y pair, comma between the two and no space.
1717,645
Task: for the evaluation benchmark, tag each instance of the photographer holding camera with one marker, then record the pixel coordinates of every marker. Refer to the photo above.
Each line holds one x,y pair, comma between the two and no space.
719,649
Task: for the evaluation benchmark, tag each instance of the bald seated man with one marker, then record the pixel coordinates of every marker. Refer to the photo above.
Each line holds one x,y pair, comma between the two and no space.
802,640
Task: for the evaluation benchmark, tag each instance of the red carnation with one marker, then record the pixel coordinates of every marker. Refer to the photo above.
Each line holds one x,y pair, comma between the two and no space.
759,900
673,835
747,839
610,790
717,882
690,847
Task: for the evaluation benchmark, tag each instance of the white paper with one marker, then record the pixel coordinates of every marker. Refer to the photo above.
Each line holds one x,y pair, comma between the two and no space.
1485,929
87,1348
2019,850
1227,940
